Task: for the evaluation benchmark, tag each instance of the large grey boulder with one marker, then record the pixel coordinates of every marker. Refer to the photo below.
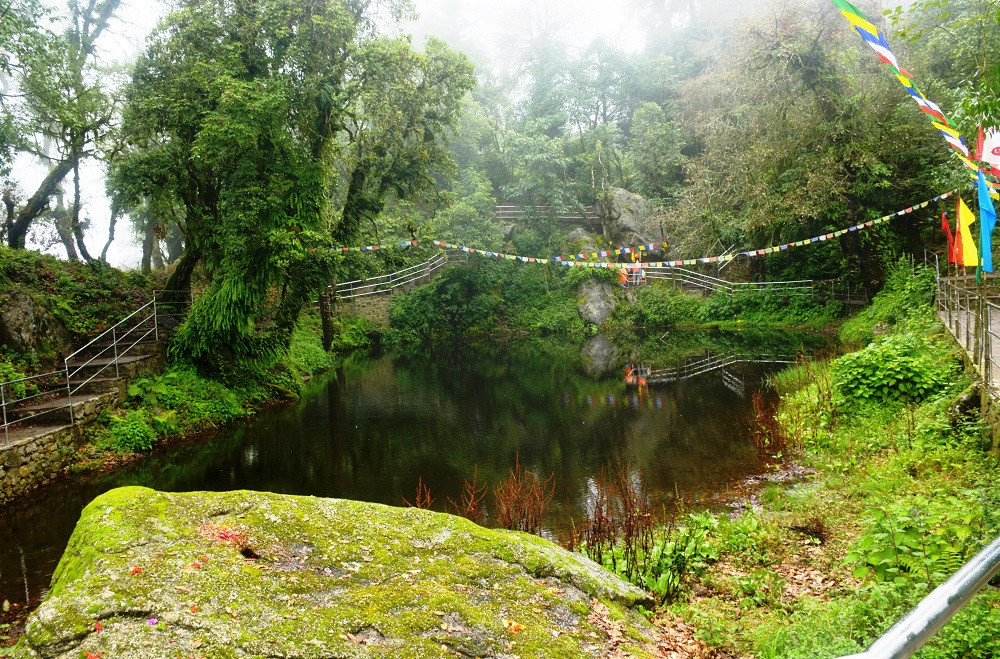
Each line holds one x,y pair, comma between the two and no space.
251,574
27,328
623,215
597,301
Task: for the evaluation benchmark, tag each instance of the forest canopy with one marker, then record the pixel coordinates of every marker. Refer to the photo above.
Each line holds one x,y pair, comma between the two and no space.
248,139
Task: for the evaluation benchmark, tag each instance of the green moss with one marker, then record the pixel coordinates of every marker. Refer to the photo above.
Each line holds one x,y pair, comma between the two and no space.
328,572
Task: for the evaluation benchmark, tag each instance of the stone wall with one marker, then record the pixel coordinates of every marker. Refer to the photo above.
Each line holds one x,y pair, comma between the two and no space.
373,307
29,463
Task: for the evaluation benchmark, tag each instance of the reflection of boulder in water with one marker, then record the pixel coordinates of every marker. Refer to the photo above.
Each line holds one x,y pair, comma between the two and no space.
600,355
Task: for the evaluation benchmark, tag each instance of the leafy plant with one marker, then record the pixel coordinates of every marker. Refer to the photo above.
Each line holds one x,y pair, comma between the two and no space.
131,433
903,367
923,539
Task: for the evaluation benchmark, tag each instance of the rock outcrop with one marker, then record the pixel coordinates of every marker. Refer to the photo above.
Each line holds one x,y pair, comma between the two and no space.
27,328
246,574
597,301
623,215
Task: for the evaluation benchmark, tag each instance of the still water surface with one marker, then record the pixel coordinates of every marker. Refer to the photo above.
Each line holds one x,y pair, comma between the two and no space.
371,430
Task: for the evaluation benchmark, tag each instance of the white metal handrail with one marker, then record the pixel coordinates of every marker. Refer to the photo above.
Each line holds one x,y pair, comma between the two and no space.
124,336
707,282
10,386
390,282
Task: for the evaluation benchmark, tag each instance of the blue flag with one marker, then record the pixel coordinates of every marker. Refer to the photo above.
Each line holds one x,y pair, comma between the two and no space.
987,220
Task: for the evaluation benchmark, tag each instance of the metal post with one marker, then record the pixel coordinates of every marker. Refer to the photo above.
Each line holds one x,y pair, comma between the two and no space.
987,346
114,342
69,393
3,404
156,321
976,331
968,325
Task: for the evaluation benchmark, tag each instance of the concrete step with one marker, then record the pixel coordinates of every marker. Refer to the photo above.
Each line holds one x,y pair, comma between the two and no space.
30,431
84,368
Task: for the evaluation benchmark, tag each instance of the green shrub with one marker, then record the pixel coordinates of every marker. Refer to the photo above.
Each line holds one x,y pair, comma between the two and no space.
906,296
924,539
306,353
357,333
131,433
8,372
902,367
658,305
770,307
198,402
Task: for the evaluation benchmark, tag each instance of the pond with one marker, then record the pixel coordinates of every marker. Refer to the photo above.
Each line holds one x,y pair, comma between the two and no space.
373,429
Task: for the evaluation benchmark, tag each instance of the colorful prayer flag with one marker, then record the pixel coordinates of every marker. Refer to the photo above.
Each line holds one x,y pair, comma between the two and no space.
987,220
951,237
967,253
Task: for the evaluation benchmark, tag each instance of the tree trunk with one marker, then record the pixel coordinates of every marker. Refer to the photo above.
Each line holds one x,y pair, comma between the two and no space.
111,234
326,313
8,201
148,241
157,255
181,279
18,229
62,220
77,226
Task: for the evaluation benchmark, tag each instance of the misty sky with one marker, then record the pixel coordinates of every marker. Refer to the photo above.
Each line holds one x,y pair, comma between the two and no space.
490,28
492,32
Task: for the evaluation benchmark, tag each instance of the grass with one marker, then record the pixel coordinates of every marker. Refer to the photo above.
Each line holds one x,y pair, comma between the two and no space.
903,495
181,401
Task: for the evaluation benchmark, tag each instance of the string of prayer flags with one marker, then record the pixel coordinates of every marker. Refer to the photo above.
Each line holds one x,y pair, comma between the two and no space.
618,251
376,248
582,259
876,40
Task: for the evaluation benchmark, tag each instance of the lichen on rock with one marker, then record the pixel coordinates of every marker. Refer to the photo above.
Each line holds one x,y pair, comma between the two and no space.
248,574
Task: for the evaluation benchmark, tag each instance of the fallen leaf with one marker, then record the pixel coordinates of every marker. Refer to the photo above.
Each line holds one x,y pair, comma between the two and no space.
197,644
512,627
136,570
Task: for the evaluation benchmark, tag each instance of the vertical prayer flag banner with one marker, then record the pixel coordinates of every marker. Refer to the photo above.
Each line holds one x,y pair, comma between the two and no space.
987,220
968,254
951,237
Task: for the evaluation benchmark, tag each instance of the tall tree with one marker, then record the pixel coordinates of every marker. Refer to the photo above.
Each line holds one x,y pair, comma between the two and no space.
67,104
254,118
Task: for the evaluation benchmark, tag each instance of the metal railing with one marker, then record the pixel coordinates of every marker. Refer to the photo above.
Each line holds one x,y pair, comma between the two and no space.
19,394
54,391
388,283
512,212
972,313
934,611
682,277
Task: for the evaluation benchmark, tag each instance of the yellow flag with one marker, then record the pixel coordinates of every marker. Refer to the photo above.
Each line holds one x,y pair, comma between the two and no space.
969,254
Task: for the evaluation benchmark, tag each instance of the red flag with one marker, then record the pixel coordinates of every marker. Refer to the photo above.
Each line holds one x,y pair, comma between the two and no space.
958,234
951,238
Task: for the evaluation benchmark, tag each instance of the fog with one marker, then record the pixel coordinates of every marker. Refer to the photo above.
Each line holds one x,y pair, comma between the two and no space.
496,35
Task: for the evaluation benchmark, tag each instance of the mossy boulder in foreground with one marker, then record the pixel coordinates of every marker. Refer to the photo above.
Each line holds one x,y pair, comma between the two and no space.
249,574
